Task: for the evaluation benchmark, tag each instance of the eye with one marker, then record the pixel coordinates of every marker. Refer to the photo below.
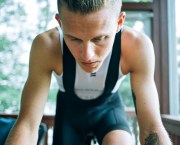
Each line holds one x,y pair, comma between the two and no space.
99,39
74,39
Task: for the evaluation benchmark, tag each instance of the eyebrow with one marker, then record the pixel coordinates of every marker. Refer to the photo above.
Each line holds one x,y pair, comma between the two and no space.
99,36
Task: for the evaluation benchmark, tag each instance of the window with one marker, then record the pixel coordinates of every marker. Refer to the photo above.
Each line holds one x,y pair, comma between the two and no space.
174,57
178,49
18,26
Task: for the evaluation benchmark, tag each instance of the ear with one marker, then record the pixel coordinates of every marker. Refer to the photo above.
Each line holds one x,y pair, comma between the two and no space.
57,17
121,20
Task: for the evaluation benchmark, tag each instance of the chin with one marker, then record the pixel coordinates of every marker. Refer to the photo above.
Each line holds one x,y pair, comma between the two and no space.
91,69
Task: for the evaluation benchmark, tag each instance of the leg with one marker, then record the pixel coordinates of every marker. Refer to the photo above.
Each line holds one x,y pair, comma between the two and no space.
117,137
64,132
67,135
113,127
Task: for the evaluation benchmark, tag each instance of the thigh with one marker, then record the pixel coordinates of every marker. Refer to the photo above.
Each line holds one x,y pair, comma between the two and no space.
67,135
117,137
113,120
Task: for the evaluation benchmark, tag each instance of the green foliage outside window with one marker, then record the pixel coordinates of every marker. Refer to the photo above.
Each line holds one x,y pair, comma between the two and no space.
16,36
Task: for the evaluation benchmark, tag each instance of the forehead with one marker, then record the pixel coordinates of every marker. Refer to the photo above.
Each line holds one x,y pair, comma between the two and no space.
102,21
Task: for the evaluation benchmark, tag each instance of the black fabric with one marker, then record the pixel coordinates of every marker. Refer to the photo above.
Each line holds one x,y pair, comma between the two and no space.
134,100
69,67
113,70
75,122
75,117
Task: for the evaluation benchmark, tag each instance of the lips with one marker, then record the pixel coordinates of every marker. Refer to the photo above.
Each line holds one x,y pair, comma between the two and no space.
90,64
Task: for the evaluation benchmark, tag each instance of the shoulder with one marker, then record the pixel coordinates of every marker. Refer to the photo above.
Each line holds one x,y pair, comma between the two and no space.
137,50
47,41
46,48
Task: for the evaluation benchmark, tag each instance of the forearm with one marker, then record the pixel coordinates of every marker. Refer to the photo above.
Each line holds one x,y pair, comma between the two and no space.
156,137
22,135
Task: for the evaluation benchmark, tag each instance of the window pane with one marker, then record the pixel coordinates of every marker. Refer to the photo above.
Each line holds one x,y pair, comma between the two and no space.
140,21
18,26
139,1
178,45
174,56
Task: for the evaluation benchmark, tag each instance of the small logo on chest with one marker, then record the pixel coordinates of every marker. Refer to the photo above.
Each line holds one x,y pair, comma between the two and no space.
93,74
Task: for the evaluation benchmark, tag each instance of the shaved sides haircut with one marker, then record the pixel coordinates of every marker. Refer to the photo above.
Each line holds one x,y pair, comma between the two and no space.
89,6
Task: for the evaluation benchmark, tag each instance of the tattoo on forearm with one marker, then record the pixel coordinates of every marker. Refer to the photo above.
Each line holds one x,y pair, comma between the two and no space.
152,139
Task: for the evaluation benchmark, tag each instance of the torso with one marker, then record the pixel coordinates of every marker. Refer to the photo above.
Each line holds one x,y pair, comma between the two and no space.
89,85
127,51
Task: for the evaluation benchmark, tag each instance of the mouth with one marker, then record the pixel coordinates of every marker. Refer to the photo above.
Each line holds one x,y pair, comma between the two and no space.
91,64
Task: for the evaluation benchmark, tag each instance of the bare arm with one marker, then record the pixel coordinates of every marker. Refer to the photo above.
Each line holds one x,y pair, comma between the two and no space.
34,96
152,131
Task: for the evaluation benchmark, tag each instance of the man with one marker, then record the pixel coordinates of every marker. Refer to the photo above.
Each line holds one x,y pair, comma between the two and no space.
89,53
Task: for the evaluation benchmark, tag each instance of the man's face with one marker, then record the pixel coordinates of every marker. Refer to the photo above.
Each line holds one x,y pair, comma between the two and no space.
89,37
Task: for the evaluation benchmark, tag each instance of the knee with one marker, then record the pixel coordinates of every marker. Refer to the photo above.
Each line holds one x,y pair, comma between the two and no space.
117,137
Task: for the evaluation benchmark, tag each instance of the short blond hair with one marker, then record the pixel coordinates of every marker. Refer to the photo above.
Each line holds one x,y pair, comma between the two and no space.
88,6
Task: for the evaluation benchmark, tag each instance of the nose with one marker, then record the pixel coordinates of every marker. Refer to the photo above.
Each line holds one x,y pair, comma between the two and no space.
87,51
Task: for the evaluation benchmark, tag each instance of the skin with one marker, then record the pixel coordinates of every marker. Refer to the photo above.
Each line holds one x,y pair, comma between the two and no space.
89,49
90,39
